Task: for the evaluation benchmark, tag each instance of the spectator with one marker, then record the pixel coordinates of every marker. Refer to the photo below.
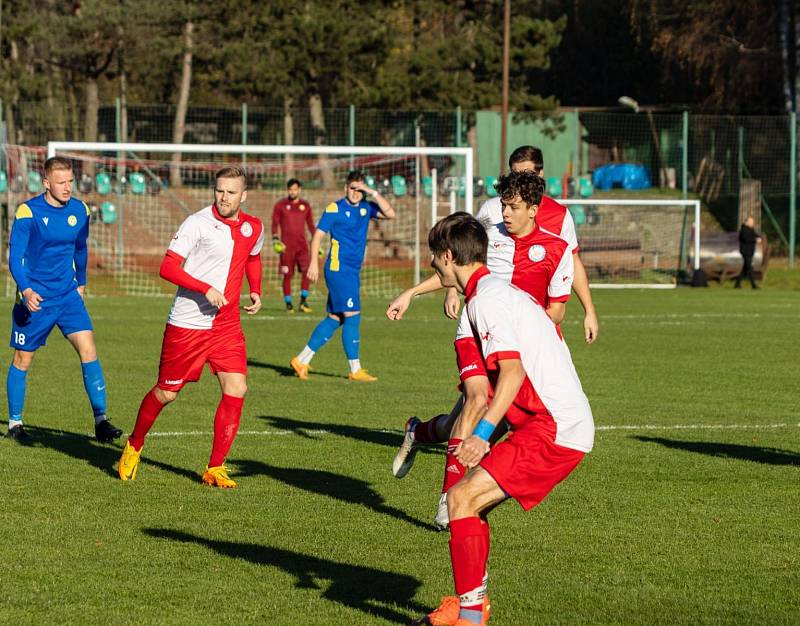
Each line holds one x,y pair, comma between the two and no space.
748,237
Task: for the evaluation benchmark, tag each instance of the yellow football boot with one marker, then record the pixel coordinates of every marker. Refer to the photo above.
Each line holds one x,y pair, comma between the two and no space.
300,370
362,376
218,477
129,462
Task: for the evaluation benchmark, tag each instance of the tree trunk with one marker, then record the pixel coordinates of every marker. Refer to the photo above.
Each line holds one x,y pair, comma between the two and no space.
288,135
321,139
787,28
90,119
179,128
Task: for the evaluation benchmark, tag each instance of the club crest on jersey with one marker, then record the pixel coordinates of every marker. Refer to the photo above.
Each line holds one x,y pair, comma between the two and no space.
302,207
347,213
363,212
246,229
536,253
72,220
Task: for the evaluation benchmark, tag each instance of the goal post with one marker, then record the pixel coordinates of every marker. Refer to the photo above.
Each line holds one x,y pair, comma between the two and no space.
131,189
637,242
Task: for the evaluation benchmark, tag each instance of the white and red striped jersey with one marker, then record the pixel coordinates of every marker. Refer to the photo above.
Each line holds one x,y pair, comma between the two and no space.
215,250
509,324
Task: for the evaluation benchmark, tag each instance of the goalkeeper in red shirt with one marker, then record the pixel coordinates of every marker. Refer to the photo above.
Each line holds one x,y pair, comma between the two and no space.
290,217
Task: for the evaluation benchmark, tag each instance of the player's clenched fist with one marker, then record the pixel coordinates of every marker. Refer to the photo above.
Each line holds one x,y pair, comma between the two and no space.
32,300
470,451
215,298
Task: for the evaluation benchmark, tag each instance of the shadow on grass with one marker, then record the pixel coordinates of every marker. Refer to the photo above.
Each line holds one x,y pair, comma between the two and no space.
336,486
86,448
367,589
359,433
757,454
285,370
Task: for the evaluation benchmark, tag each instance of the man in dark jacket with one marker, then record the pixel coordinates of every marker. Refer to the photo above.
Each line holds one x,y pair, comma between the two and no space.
748,237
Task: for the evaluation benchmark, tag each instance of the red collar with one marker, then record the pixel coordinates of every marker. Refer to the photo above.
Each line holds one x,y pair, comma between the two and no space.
472,283
225,220
529,236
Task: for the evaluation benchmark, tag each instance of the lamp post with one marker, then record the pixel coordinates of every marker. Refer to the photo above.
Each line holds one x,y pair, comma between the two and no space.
629,102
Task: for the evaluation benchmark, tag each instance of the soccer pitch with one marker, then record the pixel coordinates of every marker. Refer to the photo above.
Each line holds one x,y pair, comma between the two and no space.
687,511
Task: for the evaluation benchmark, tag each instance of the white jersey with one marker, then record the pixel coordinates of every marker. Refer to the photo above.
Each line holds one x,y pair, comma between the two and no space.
509,324
216,250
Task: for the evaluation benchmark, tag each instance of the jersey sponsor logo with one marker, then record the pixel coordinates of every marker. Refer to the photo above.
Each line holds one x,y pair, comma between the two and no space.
467,368
45,220
498,244
177,381
363,212
72,220
246,229
536,253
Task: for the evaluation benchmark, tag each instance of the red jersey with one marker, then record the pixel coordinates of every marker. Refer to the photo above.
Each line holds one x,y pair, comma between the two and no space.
291,217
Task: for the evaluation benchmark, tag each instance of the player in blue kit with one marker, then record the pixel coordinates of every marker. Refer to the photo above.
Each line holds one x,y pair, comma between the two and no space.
347,220
47,259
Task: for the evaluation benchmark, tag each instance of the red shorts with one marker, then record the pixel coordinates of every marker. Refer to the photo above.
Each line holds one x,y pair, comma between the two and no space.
185,351
528,464
294,257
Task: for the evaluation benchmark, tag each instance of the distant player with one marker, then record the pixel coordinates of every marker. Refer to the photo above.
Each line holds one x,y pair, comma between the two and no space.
536,389
290,218
207,259
48,258
347,220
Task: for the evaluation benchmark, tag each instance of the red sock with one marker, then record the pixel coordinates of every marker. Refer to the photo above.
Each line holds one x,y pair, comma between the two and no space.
226,423
148,412
468,552
425,432
453,470
487,539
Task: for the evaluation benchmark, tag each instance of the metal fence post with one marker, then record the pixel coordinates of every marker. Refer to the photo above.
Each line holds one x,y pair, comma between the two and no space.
244,131
458,126
352,133
685,155
120,175
792,186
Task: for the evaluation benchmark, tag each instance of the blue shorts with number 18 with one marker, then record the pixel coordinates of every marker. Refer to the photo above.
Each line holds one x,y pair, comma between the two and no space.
344,288
29,331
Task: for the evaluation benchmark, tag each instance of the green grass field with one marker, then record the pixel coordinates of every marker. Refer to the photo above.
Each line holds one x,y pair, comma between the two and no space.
687,511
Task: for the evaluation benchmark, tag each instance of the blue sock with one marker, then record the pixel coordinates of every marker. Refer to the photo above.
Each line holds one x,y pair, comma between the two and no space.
95,388
15,391
322,333
351,336
303,294
287,299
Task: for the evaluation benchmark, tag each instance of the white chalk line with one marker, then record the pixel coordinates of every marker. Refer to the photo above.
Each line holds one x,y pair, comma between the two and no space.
611,427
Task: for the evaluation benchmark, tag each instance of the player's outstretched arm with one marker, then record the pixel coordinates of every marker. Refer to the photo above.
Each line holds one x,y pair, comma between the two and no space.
400,304
580,285
476,446
313,265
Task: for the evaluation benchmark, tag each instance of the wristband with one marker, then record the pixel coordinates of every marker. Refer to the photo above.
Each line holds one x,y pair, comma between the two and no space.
484,430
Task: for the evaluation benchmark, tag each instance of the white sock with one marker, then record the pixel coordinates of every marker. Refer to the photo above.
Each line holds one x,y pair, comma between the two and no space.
99,418
355,365
12,423
306,355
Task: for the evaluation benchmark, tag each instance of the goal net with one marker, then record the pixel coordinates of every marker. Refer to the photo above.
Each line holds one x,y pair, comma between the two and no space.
138,195
637,242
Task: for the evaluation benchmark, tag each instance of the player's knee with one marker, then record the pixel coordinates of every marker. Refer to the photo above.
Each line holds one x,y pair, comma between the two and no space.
165,396
22,360
458,500
236,389
87,353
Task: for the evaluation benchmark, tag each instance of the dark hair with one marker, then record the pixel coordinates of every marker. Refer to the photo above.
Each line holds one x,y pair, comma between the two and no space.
524,154
463,235
526,185
231,171
56,163
293,181
354,176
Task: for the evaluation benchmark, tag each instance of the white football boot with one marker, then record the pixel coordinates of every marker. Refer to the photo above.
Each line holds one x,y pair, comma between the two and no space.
404,459
442,519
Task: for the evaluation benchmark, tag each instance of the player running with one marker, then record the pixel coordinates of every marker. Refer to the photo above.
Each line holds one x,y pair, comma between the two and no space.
48,258
290,218
207,259
536,390
347,220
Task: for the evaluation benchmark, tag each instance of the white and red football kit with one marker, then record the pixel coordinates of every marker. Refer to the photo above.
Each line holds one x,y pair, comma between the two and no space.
551,422
215,252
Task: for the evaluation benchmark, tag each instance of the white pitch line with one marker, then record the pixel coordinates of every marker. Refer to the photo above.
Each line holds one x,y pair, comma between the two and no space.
310,431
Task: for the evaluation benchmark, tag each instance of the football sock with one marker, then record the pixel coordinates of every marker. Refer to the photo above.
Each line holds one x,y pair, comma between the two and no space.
226,424
355,365
351,336
304,282
15,392
287,299
306,355
322,333
148,412
469,552
453,470
95,387
426,432
303,294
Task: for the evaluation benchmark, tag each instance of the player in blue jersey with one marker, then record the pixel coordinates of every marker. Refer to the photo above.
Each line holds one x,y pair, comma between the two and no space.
47,258
347,220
